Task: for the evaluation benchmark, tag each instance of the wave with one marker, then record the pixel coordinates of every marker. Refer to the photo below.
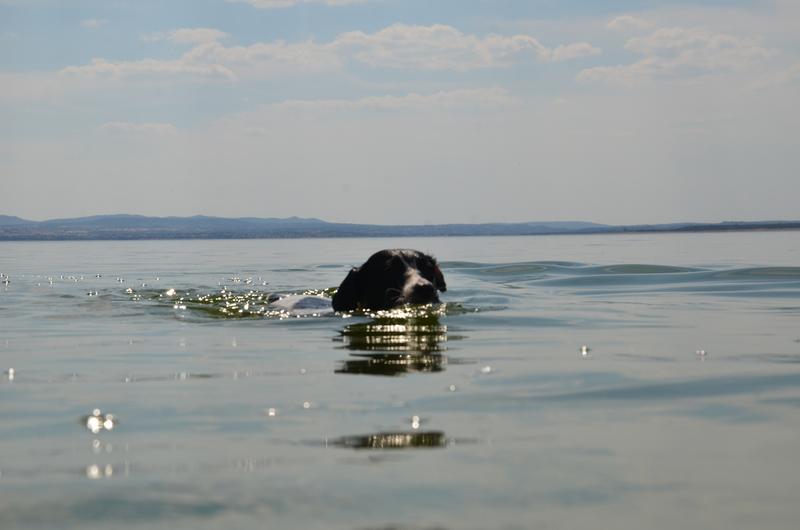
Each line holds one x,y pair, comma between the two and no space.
604,279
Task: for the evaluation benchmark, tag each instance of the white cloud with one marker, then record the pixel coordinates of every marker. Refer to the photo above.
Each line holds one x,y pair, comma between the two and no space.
620,74
676,52
436,47
269,58
149,67
93,22
278,4
442,47
573,51
628,22
153,37
471,98
211,59
187,36
197,35
142,129
701,41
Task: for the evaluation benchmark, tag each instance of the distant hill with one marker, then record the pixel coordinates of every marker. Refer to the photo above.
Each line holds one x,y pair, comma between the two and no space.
7,220
204,227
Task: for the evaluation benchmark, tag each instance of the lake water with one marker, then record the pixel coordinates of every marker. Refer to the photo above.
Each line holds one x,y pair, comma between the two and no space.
683,410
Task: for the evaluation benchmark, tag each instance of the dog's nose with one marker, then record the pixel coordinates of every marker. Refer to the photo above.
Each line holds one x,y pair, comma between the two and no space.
423,293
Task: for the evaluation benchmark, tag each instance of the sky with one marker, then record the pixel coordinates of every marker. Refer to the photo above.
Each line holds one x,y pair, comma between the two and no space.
402,111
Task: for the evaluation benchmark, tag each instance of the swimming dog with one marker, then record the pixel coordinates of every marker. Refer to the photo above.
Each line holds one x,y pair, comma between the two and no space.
391,278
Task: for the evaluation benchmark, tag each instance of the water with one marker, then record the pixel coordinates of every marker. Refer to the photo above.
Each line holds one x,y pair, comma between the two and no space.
682,410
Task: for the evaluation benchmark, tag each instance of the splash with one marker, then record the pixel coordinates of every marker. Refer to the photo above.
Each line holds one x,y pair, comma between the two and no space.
228,303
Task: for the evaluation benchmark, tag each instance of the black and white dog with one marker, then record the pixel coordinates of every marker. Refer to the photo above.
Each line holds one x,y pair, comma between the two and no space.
391,278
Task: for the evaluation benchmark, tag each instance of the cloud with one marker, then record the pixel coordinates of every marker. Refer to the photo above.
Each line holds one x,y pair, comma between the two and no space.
93,22
573,51
211,59
700,43
197,35
435,47
628,22
269,58
471,98
140,129
149,68
786,76
187,36
278,4
681,52
442,47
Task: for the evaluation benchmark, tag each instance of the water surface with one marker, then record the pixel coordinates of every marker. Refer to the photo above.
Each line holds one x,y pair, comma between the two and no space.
621,381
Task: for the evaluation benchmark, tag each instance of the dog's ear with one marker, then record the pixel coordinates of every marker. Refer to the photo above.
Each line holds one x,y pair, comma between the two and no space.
346,297
438,278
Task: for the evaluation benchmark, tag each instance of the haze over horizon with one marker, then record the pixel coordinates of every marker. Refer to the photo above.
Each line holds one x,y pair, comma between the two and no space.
401,111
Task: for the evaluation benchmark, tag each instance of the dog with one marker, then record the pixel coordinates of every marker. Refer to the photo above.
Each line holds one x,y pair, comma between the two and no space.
391,278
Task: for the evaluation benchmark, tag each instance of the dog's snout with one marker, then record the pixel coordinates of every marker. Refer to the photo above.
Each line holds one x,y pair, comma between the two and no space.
423,292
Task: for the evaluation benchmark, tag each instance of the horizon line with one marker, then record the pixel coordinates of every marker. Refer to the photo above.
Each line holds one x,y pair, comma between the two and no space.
313,218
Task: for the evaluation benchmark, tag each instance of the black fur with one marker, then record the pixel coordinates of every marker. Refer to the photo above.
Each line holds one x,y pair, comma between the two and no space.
391,278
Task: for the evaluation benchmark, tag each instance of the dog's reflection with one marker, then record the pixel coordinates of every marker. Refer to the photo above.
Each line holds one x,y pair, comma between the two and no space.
395,345
393,440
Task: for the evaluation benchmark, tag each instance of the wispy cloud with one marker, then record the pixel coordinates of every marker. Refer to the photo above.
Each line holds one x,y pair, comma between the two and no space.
94,22
442,47
435,47
628,22
565,52
681,52
139,129
269,58
187,36
149,67
786,76
490,97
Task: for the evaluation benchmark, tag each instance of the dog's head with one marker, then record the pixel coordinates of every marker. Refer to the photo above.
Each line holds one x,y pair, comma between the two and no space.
391,278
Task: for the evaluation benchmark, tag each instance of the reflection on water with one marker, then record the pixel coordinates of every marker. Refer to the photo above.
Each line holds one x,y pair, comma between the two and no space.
397,343
97,421
403,334
97,471
391,364
393,440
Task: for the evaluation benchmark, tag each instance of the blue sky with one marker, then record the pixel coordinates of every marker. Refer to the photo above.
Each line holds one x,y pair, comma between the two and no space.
398,111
